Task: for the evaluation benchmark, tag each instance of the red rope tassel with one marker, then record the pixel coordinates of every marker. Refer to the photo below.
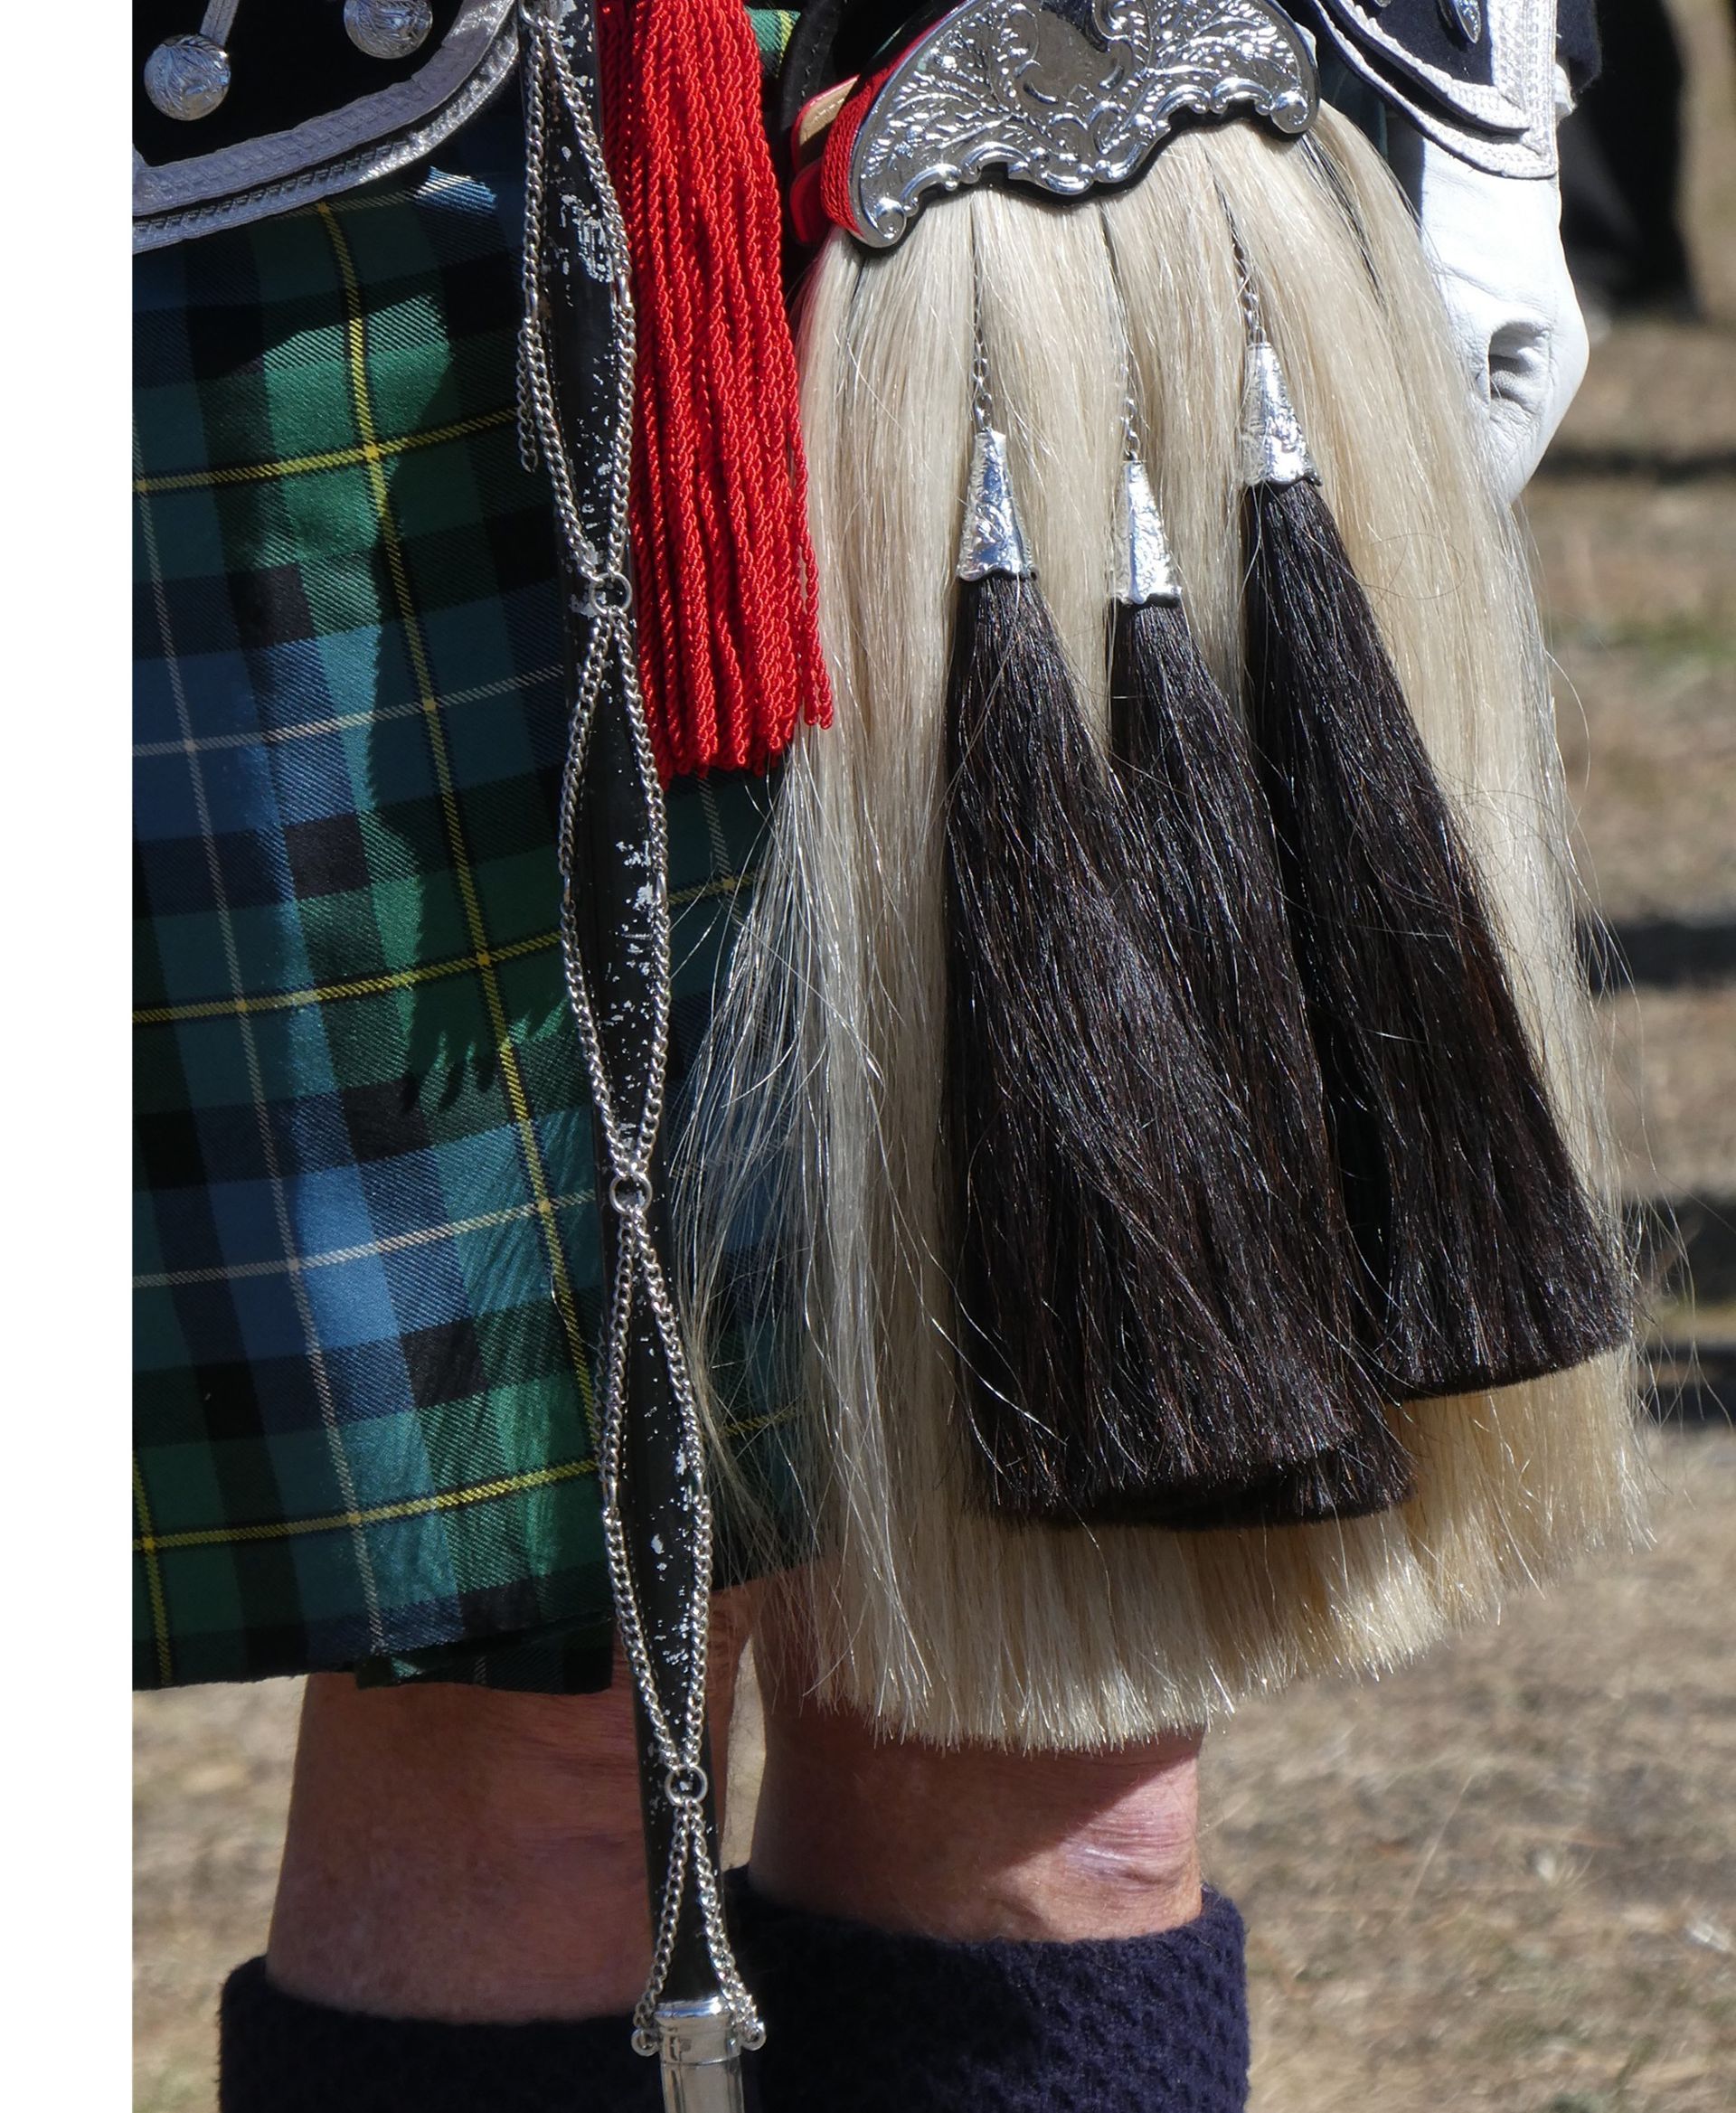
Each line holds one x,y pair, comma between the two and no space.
728,638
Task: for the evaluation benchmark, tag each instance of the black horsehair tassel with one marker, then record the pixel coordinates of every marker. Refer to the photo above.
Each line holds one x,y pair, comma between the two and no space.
1483,1261
1184,761
1105,1269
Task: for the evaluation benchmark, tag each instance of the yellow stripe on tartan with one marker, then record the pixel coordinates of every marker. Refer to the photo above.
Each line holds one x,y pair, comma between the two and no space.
332,994
146,1546
150,1545
336,1258
309,729
356,330
372,987
379,1514
371,452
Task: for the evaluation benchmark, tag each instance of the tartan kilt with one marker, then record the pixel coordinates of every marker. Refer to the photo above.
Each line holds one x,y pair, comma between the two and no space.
369,1289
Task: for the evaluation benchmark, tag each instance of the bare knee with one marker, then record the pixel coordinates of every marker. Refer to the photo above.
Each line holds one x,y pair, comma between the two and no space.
1136,1837
973,1842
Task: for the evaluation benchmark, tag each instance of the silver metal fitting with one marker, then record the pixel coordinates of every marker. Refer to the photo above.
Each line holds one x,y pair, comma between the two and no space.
699,2053
993,540
387,29
187,76
1273,449
1146,566
1063,95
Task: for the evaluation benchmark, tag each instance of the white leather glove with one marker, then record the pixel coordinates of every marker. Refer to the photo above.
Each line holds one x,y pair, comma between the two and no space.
1495,245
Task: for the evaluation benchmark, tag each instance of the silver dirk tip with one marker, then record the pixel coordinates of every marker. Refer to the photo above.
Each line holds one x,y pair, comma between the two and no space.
993,540
700,2057
1146,567
1273,449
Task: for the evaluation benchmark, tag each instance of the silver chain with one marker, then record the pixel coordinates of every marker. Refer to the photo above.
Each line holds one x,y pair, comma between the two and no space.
1124,339
1246,290
982,396
637,1273
981,389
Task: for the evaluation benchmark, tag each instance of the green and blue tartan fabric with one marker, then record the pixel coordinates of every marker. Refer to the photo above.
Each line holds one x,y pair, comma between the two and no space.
368,1298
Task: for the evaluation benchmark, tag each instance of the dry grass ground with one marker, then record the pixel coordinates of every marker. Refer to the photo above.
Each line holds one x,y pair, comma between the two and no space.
211,1788
1506,1879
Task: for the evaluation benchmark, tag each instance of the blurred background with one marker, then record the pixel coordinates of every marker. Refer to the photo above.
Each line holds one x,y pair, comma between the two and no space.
1506,1879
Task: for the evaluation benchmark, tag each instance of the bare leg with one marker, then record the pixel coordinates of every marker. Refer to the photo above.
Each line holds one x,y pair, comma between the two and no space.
973,1843
462,1855
931,1929
473,1860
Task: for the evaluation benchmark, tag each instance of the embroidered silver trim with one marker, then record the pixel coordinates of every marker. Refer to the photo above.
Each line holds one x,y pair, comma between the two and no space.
1065,95
335,152
1504,125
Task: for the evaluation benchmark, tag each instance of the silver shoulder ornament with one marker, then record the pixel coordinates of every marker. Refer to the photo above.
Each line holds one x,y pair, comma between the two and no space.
1066,95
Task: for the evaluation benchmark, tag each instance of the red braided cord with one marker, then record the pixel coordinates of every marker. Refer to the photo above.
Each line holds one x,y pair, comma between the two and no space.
729,637
840,143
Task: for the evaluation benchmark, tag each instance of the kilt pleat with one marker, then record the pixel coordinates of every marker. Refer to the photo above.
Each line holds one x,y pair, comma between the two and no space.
368,1290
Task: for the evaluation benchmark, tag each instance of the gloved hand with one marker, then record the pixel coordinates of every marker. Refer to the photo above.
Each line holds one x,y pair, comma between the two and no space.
1495,245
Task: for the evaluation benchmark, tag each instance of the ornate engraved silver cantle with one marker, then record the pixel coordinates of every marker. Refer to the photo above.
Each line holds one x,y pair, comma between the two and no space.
1065,95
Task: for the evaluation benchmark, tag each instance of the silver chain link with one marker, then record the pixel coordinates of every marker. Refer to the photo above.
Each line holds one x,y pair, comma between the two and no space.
628,1144
1131,422
1246,290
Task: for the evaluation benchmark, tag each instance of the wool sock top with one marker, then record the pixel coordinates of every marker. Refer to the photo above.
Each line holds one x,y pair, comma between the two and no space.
866,2021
